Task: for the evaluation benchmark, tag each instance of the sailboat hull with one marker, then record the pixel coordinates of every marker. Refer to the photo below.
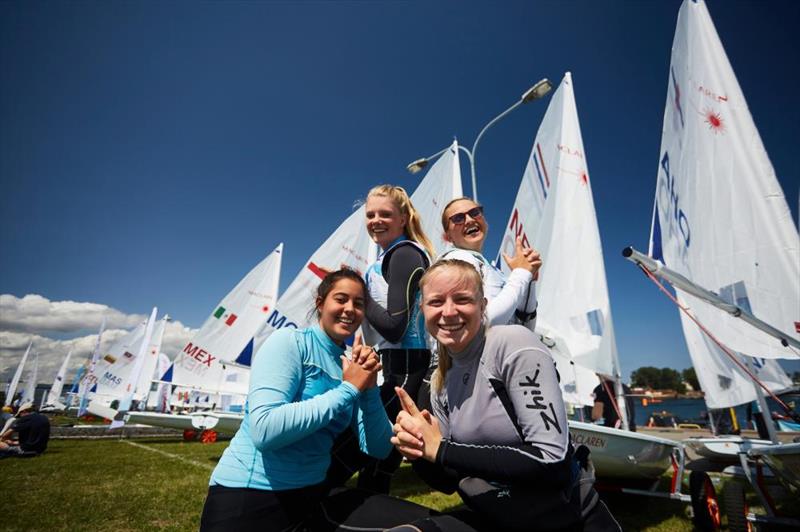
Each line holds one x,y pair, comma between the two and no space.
784,461
724,449
223,422
620,456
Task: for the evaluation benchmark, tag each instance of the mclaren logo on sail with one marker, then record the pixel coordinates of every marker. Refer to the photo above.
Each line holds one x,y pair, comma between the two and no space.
669,203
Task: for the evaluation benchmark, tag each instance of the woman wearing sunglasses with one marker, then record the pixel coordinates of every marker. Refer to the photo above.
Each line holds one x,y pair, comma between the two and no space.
511,298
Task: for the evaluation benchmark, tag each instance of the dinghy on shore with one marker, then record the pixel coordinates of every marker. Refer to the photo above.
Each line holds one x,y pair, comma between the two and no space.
554,212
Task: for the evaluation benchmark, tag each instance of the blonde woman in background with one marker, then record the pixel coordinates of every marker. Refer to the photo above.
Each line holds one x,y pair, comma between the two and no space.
394,325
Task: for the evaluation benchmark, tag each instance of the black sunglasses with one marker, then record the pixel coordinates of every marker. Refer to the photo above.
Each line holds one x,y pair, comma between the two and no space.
461,217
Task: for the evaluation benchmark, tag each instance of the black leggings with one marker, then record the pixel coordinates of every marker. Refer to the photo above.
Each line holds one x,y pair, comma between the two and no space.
598,520
309,509
245,509
405,368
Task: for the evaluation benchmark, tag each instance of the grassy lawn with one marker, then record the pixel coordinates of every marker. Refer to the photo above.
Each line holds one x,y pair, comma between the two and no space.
134,485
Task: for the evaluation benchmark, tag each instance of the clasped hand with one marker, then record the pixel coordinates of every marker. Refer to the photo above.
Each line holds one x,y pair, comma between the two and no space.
361,370
525,258
416,433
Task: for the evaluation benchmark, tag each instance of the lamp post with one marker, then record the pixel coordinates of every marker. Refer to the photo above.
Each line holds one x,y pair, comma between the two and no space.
536,92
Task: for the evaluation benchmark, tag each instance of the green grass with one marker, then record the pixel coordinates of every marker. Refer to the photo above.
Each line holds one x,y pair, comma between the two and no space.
124,485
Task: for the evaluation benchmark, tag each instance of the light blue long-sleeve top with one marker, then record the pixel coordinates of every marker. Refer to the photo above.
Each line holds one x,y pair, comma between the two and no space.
296,406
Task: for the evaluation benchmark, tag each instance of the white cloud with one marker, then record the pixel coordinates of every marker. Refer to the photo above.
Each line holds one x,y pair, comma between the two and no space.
36,314
31,317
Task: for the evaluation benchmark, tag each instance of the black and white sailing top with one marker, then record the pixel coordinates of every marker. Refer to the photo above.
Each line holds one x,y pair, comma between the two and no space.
501,414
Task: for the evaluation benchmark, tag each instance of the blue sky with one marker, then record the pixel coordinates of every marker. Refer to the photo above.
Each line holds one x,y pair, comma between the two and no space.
151,153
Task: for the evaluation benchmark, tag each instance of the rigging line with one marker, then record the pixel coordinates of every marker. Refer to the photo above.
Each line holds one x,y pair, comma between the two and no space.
714,339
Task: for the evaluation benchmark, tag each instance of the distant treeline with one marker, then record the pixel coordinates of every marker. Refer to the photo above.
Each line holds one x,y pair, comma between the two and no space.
665,379
672,379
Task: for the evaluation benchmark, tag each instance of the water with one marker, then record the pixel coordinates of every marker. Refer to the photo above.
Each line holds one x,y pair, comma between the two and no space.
688,409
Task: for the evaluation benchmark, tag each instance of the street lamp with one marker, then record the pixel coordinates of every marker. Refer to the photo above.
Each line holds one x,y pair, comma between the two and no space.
536,92
417,166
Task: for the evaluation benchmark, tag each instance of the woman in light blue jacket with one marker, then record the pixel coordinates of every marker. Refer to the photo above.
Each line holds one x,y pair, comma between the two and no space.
303,394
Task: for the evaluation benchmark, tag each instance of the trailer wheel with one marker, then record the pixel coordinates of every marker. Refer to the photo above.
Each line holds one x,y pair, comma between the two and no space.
208,436
736,508
704,501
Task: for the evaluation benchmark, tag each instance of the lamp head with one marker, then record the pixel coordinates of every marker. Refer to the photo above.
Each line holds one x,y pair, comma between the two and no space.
417,165
537,91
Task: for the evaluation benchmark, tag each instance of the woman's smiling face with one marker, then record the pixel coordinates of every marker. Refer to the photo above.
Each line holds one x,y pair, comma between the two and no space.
471,233
385,222
453,308
342,310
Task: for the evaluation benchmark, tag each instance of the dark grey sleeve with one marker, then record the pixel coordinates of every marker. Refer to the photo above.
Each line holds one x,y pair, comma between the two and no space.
403,272
527,385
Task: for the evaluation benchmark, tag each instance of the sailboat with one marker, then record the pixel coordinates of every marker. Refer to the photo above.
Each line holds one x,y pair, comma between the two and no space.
12,386
211,362
88,384
554,212
722,232
53,401
723,237
118,386
29,392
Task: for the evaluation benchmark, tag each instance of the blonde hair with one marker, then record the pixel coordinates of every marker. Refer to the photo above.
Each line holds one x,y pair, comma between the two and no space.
414,226
463,272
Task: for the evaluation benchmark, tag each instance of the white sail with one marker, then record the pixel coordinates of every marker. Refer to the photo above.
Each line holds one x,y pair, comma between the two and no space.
554,212
29,392
54,394
143,355
114,367
720,217
145,380
351,246
228,333
12,387
158,400
89,381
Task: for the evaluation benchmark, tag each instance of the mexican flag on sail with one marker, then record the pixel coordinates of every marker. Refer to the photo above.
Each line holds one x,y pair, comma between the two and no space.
227,335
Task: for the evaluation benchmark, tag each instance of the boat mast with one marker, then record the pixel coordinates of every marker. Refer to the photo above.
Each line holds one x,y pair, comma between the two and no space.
762,404
658,269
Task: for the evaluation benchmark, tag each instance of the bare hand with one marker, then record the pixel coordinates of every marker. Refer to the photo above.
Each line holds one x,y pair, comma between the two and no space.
356,375
535,260
520,260
408,436
424,429
367,358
